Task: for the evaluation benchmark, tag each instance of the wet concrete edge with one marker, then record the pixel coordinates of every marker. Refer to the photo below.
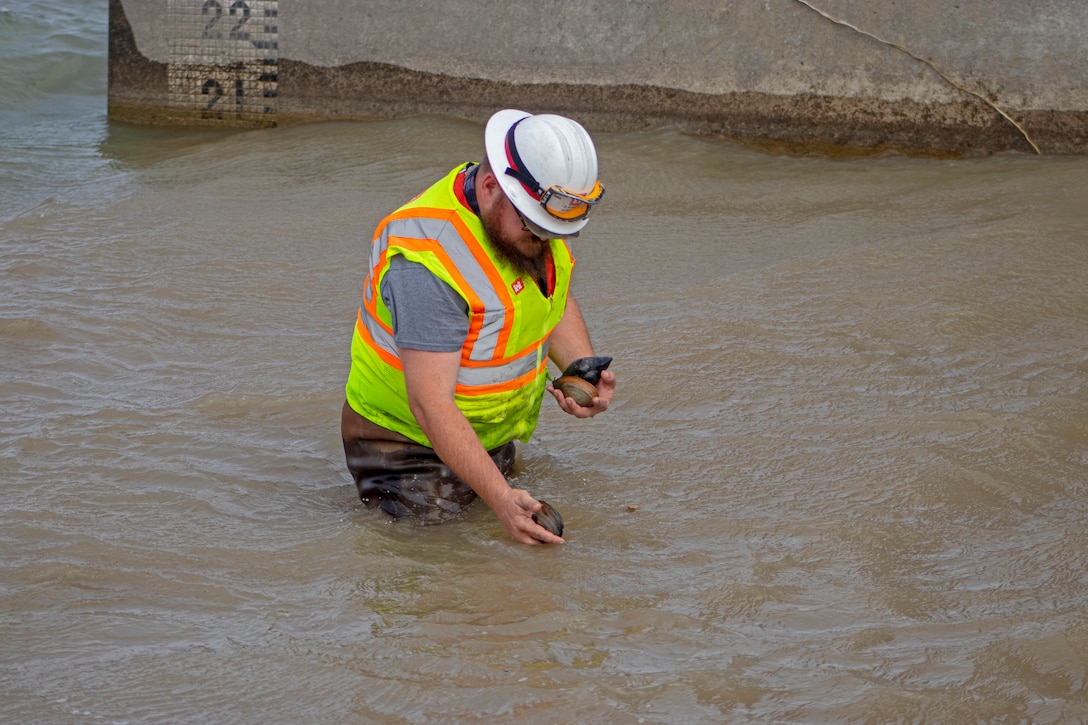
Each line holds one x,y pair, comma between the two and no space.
792,124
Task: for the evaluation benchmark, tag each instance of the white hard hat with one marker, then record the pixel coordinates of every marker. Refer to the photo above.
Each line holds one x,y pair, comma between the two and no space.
557,154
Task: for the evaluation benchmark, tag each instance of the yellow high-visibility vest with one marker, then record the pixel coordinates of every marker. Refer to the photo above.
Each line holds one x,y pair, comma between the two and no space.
501,380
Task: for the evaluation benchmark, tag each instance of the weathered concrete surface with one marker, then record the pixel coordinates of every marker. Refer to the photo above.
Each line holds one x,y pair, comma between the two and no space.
137,84
923,76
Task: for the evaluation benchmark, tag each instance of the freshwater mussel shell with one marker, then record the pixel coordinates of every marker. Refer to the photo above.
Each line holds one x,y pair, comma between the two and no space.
549,518
577,389
588,368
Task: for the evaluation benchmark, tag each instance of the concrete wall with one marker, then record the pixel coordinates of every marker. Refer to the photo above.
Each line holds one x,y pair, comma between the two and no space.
928,76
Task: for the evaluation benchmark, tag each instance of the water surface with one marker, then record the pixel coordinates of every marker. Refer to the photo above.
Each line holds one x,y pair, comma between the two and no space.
851,412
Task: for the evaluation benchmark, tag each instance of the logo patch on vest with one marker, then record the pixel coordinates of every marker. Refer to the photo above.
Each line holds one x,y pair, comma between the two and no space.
517,286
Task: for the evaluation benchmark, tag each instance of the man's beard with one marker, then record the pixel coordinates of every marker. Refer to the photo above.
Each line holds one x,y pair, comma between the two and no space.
510,252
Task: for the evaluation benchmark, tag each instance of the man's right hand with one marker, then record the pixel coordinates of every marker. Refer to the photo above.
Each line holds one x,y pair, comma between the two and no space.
515,509
431,379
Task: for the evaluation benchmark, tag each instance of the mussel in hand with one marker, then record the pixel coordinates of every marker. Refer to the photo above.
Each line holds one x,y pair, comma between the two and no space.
577,389
588,368
549,518
579,380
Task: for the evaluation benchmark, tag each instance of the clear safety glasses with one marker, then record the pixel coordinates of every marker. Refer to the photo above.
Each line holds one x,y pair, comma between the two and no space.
539,232
562,204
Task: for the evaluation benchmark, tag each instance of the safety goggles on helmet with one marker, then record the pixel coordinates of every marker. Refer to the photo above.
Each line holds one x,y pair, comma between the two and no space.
562,204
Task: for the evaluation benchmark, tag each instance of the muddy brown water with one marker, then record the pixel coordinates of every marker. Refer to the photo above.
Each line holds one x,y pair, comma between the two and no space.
852,414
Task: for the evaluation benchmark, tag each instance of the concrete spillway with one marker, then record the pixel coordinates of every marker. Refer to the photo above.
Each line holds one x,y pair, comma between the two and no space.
925,76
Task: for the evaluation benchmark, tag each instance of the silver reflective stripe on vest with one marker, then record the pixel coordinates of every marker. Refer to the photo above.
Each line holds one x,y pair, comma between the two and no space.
486,375
493,374
446,235
381,337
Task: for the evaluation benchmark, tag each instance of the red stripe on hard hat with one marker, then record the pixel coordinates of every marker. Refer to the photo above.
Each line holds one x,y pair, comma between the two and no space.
513,160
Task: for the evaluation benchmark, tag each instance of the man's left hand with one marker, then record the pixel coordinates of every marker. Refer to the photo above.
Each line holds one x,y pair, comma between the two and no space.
606,386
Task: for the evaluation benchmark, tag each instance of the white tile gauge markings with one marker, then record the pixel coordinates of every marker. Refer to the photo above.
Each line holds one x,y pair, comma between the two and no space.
224,58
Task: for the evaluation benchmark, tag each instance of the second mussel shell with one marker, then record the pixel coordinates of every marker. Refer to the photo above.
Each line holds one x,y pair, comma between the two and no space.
549,518
588,368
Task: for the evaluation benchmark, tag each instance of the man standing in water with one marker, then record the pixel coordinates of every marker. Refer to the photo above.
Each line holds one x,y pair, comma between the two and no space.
467,297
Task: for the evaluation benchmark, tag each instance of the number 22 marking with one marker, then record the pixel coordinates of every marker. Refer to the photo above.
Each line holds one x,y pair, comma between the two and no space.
215,9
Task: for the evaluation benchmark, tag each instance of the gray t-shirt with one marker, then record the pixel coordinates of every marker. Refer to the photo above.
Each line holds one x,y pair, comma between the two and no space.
427,313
